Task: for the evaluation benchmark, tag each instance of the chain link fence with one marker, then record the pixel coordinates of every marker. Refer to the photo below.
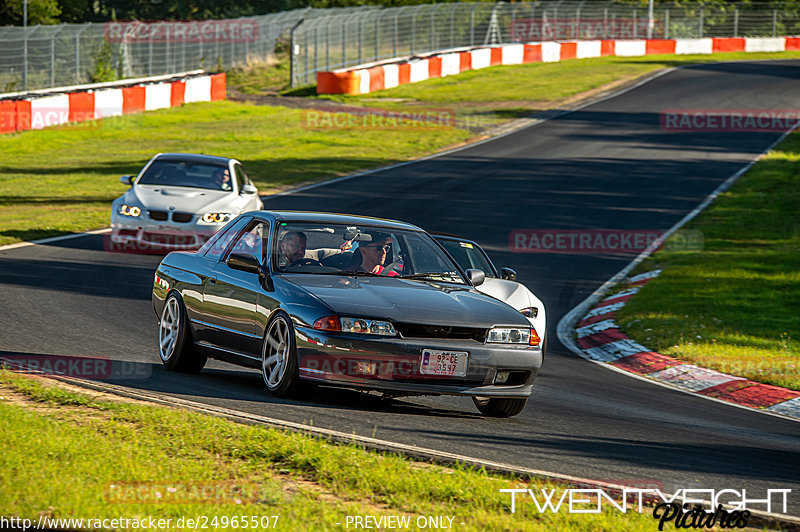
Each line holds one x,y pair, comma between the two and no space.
69,54
341,40
328,39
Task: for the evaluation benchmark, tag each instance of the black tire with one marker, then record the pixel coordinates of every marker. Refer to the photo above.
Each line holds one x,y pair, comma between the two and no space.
500,406
279,357
175,340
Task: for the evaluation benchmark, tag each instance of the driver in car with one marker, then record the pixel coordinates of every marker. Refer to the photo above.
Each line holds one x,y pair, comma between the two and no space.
222,178
292,248
373,255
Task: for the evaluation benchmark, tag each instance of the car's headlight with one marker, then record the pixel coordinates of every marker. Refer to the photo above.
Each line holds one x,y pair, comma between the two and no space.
216,217
530,312
130,210
355,325
510,335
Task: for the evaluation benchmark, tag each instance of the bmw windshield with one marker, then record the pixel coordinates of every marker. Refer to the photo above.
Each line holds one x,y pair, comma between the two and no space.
186,174
335,249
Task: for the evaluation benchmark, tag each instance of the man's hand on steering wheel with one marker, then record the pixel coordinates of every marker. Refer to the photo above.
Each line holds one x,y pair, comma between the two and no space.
304,262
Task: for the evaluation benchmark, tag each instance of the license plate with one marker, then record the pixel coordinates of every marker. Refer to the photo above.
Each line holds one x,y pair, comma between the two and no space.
444,363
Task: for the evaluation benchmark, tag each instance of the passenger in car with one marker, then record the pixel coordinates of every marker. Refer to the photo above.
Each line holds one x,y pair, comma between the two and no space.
292,248
371,257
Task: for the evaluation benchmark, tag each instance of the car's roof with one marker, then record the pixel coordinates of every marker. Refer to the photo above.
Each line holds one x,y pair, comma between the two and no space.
339,218
448,236
193,157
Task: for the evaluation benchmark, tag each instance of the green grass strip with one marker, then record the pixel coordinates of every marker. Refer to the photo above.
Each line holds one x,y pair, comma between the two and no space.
734,305
71,456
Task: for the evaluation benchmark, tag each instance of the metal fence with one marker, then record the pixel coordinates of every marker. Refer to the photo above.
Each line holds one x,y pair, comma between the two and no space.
328,39
340,40
69,54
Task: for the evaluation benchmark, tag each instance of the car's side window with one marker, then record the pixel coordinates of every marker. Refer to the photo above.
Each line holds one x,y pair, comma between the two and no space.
215,247
241,177
253,241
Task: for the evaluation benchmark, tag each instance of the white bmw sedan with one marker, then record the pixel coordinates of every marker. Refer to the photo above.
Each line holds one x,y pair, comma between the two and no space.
179,200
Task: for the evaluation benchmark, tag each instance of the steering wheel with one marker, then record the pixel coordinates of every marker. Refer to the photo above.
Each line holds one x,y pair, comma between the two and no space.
304,262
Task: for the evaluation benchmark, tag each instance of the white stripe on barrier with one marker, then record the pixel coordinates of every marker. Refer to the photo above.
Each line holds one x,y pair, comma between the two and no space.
197,89
108,103
588,49
451,64
419,71
694,46
481,58
364,78
630,48
513,54
628,292
595,328
615,350
157,96
692,377
775,44
644,276
605,310
49,111
391,76
551,52
787,408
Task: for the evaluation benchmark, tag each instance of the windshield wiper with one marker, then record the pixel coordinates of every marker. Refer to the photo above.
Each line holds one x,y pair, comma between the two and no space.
433,276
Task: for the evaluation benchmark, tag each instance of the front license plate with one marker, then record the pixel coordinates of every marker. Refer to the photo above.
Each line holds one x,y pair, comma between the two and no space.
444,363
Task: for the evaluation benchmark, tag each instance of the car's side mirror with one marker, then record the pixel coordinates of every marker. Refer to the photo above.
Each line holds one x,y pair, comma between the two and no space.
249,189
246,263
476,277
127,179
508,274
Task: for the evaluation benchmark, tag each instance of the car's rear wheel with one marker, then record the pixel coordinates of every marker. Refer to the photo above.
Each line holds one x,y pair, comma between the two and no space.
174,339
500,406
279,357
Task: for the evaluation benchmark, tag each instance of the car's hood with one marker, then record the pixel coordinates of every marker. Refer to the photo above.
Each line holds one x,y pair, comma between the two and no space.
405,300
183,199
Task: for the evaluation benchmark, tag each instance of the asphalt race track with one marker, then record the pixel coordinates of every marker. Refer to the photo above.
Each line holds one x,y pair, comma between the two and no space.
607,166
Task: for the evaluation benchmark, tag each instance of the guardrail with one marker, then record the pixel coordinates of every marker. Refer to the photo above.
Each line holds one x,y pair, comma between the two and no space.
367,78
21,112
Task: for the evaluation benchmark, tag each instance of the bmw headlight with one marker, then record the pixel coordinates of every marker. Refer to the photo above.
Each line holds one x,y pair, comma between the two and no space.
511,335
355,325
216,217
130,210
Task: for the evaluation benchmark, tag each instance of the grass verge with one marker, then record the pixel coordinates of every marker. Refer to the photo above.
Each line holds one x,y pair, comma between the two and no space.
97,458
733,306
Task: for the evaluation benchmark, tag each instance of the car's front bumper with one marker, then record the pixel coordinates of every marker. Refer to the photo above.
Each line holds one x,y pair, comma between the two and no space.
141,233
393,364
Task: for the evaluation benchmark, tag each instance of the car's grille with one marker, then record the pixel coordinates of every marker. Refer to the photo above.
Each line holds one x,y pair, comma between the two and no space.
416,330
181,217
160,216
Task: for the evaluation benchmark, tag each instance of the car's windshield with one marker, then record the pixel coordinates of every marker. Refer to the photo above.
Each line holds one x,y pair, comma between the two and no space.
361,250
467,255
187,174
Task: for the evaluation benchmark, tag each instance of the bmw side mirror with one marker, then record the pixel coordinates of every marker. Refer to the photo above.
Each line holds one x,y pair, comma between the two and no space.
245,263
126,180
508,274
249,189
476,277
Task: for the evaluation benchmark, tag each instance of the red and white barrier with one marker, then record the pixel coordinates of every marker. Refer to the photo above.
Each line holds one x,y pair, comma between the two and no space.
40,109
372,77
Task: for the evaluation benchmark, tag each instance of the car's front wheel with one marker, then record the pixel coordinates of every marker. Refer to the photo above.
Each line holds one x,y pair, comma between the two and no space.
174,339
279,357
500,406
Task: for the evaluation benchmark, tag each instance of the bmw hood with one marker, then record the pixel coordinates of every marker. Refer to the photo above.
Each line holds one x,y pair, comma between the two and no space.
409,301
183,199
518,296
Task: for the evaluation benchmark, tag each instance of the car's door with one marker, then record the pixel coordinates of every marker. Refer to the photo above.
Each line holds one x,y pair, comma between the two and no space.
231,296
